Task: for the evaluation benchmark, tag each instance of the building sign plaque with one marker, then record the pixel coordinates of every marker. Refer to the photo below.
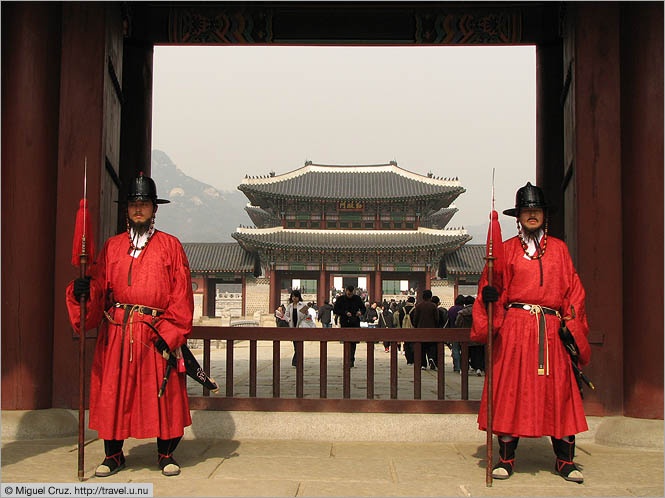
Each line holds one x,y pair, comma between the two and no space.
350,205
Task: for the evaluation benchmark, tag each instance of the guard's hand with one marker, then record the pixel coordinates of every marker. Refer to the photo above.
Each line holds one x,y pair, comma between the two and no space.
161,345
81,288
490,294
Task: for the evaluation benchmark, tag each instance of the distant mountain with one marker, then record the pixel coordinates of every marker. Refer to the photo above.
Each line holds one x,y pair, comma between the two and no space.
198,212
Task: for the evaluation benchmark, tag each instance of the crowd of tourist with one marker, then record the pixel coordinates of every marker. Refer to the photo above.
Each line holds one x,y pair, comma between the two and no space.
429,313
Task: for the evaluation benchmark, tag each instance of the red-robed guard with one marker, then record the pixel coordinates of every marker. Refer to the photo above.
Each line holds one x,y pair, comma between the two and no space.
140,297
535,392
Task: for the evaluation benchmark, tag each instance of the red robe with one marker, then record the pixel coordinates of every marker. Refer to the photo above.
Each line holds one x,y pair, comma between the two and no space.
123,391
525,403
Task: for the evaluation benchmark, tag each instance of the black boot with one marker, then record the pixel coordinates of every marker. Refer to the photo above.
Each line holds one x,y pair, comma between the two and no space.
115,459
565,467
504,467
165,460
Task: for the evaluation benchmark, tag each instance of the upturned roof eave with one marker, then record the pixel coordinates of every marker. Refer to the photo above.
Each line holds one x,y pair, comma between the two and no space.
458,190
254,241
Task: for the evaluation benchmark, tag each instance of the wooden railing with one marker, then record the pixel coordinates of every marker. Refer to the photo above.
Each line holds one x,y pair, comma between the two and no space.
228,400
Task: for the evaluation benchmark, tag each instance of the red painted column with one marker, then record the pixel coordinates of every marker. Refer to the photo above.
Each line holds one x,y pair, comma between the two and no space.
428,276
30,97
378,289
321,288
243,310
274,288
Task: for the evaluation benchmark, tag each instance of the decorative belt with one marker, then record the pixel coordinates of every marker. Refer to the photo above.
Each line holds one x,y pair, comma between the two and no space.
142,310
130,309
543,346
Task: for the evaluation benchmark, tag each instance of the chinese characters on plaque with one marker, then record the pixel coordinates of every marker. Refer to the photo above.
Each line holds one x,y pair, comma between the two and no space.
350,206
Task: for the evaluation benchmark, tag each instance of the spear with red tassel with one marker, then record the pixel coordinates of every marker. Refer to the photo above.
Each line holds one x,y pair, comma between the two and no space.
82,251
495,261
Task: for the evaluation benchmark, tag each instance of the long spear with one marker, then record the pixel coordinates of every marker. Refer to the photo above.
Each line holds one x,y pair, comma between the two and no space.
488,354
84,260
80,255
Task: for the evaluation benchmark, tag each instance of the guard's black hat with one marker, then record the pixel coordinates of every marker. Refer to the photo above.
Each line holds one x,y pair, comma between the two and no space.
143,188
529,196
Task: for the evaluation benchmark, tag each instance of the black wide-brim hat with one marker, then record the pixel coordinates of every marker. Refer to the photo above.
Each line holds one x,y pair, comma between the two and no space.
143,188
529,196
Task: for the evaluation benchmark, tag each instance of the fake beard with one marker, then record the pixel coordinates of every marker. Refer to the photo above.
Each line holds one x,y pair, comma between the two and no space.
140,228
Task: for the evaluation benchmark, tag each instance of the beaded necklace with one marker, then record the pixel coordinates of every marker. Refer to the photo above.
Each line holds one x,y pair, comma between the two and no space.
151,231
525,247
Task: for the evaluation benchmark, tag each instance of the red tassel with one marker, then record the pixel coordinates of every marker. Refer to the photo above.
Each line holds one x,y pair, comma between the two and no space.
77,247
494,235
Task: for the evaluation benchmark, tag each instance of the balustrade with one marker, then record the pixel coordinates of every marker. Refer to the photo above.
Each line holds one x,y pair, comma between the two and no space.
226,398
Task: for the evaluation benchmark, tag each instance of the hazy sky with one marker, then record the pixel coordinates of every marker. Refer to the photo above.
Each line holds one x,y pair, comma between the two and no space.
223,112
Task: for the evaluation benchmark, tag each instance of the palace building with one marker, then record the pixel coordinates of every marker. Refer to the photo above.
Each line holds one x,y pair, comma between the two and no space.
322,227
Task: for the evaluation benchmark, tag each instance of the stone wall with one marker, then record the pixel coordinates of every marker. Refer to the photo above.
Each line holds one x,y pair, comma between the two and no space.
445,289
258,295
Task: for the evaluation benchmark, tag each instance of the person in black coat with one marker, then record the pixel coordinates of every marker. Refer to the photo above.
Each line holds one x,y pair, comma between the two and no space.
386,321
325,314
349,307
372,316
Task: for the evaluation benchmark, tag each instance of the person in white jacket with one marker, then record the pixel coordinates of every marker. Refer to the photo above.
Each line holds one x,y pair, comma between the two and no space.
297,314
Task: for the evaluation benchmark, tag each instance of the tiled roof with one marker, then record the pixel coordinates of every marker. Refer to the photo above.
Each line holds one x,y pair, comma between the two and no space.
340,240
261,217
218,257
440,218
381,181
467,260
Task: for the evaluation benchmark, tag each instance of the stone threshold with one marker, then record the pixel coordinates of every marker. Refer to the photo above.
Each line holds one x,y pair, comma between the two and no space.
360,427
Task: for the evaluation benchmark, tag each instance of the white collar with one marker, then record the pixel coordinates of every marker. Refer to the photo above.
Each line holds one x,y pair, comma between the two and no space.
138,242
531,245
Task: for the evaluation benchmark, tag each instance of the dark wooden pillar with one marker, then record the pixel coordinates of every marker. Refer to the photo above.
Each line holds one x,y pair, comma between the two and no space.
30,96
597,202
211,296
549,129
642,189
89,126
136,122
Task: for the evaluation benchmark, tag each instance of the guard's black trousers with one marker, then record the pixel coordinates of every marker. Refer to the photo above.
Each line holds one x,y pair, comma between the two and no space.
164,446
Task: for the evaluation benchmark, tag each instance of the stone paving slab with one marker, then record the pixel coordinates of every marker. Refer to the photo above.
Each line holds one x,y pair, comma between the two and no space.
389,450
227,487
305,469
325,489
212,467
